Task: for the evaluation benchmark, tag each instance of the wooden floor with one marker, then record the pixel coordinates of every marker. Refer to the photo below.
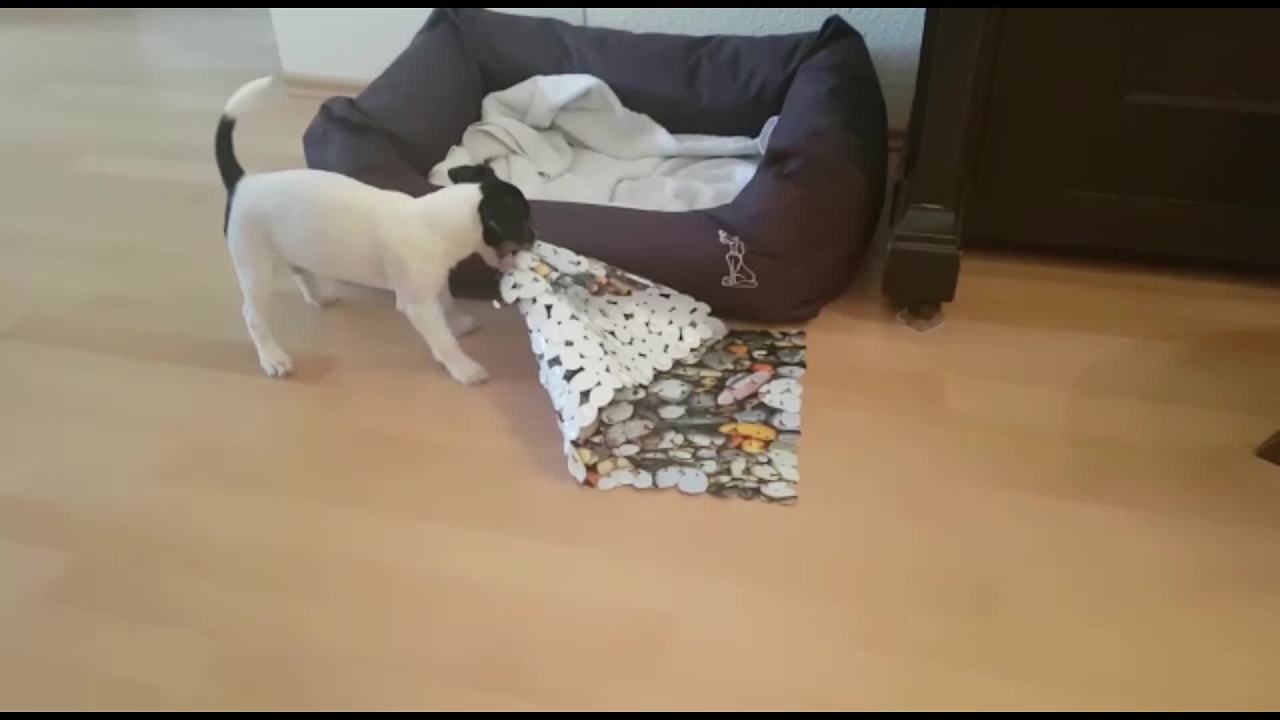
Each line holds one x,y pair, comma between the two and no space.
1050,501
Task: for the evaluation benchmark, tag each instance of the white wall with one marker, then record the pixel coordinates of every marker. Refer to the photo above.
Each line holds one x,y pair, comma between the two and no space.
355,44
892,35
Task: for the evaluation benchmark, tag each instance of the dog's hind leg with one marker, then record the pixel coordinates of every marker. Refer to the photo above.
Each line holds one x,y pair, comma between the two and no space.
310,288
255,265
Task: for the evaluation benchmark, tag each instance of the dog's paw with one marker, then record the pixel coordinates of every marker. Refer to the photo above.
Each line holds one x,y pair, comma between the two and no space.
275,363
463,325
470,373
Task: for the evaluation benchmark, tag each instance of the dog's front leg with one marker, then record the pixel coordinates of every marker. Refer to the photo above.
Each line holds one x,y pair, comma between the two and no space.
460,323
429,320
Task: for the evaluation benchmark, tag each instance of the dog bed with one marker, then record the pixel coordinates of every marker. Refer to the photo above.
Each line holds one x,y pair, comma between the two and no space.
783,247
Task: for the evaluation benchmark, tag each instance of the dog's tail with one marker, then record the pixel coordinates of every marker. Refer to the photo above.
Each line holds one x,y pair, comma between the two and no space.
223,149
228,166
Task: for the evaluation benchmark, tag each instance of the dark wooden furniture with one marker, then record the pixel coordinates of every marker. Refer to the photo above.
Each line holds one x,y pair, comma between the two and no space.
1142,133
1270,450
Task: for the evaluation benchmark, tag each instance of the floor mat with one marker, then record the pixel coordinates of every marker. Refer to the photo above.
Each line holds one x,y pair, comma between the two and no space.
651,390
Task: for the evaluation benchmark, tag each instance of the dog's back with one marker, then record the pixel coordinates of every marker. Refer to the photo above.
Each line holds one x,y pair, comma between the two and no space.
322,221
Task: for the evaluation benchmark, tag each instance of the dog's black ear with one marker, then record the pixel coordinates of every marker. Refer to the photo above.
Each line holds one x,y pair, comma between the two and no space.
471,174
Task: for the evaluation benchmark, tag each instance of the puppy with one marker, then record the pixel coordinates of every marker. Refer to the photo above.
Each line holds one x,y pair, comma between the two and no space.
326,225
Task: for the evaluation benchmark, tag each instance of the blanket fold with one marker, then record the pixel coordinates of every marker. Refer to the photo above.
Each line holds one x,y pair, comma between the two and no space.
569,138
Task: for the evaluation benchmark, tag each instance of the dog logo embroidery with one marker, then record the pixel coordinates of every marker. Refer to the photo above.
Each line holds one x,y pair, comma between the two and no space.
740,276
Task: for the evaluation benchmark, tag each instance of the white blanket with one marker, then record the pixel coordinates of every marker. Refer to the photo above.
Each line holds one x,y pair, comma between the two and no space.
568,137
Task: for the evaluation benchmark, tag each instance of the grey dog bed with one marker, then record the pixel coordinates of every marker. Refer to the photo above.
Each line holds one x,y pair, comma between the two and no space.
786,245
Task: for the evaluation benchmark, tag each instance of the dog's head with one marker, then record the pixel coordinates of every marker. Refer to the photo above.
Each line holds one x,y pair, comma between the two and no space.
504,211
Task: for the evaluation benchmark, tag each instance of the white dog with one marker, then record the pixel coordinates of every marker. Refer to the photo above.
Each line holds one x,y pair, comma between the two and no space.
322,224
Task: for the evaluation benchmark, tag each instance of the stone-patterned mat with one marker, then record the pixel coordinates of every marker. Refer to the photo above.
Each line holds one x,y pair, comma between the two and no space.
727,424
650,390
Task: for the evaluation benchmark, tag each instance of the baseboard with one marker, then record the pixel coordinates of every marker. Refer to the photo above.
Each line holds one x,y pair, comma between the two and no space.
319,86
